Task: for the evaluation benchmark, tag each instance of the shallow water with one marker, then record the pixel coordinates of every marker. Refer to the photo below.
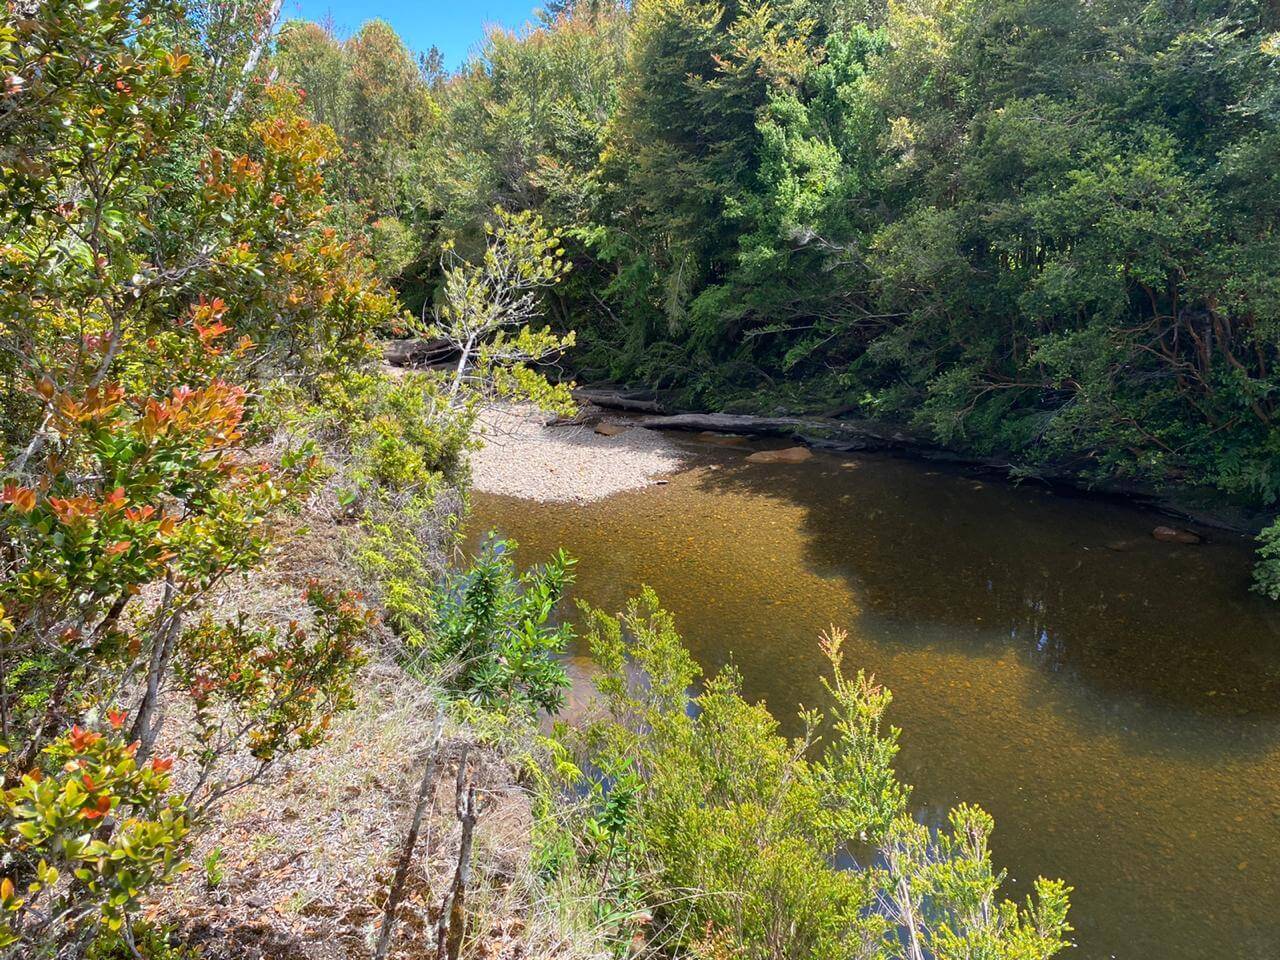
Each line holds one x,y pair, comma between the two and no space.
1113,701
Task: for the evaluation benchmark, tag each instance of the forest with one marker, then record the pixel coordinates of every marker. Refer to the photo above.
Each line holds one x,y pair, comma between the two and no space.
260,695
1043,230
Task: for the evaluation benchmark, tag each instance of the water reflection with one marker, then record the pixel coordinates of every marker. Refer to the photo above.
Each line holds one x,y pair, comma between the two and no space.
1079,585
1111,700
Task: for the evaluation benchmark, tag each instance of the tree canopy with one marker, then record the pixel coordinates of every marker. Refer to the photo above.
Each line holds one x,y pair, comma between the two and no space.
1039,228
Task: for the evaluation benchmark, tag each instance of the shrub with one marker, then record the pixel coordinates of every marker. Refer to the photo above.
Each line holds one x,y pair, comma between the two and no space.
1266,575
492,631
267,690
408,436
162,254
136,491
85,833
745,865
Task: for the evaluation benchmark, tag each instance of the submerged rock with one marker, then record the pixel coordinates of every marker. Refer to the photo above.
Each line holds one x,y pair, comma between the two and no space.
786,455
721,439
1175,535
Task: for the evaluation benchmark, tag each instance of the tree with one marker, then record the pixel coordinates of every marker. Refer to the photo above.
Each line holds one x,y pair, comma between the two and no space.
370,90
390,109
488,313
431,66
139,318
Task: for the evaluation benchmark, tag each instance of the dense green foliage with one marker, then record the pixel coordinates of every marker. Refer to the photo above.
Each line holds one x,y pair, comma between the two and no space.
187,326
1267,574
747,863
1043,229
372,94
491,634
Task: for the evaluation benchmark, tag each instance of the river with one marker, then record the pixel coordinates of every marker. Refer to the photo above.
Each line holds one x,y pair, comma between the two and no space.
1113,701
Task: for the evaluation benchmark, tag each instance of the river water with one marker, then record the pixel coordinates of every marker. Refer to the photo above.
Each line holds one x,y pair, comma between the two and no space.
1112,701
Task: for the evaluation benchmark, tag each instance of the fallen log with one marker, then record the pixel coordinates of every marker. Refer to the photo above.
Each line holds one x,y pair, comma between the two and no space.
630,401
816,432
728,423
415,352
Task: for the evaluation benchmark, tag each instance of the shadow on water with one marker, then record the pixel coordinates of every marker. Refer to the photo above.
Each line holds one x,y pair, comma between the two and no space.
1072,585
1113,701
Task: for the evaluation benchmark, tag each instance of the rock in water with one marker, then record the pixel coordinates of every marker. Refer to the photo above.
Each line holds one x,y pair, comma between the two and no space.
606,429
786,455
722,439
1175,535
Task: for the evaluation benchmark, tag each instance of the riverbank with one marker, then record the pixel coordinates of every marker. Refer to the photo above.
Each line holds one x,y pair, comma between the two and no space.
533,455
834,431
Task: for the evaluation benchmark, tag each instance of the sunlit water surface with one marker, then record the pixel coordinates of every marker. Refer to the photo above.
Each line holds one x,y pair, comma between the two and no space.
1113,701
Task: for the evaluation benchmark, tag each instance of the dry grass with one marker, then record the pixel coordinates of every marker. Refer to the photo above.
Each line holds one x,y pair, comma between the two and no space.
306,854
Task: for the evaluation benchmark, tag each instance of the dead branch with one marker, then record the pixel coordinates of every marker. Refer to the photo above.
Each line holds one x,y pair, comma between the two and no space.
452,925
426,793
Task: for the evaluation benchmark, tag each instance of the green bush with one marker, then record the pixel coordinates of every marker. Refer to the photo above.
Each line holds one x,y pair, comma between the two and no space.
730,834
1266,575
492,632
406,435
144,941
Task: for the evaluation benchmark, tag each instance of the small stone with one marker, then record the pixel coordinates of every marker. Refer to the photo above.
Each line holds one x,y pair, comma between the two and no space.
1175,535
786,455
607,429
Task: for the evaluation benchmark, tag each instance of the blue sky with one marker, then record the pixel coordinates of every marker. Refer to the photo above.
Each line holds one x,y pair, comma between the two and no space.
455,27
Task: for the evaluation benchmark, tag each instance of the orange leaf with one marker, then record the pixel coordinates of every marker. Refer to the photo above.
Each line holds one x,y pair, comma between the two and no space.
22,499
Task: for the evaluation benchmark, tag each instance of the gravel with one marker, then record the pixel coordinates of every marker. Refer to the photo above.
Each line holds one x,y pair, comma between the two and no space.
525,456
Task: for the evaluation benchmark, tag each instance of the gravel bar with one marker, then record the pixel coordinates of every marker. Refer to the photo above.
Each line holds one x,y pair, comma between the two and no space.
527,454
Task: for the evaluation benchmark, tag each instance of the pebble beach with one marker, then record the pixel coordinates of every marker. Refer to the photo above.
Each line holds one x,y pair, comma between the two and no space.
529,454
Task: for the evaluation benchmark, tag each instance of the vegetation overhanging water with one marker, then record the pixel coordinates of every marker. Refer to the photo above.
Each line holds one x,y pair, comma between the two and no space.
1110,699
1038,230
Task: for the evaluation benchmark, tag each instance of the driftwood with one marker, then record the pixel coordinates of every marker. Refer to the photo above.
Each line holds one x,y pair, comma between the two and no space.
416,352
816,432
730,423
632,401
849,436
453,921
426,793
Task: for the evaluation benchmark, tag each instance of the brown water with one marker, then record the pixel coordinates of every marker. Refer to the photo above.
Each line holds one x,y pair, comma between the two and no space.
1114,702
